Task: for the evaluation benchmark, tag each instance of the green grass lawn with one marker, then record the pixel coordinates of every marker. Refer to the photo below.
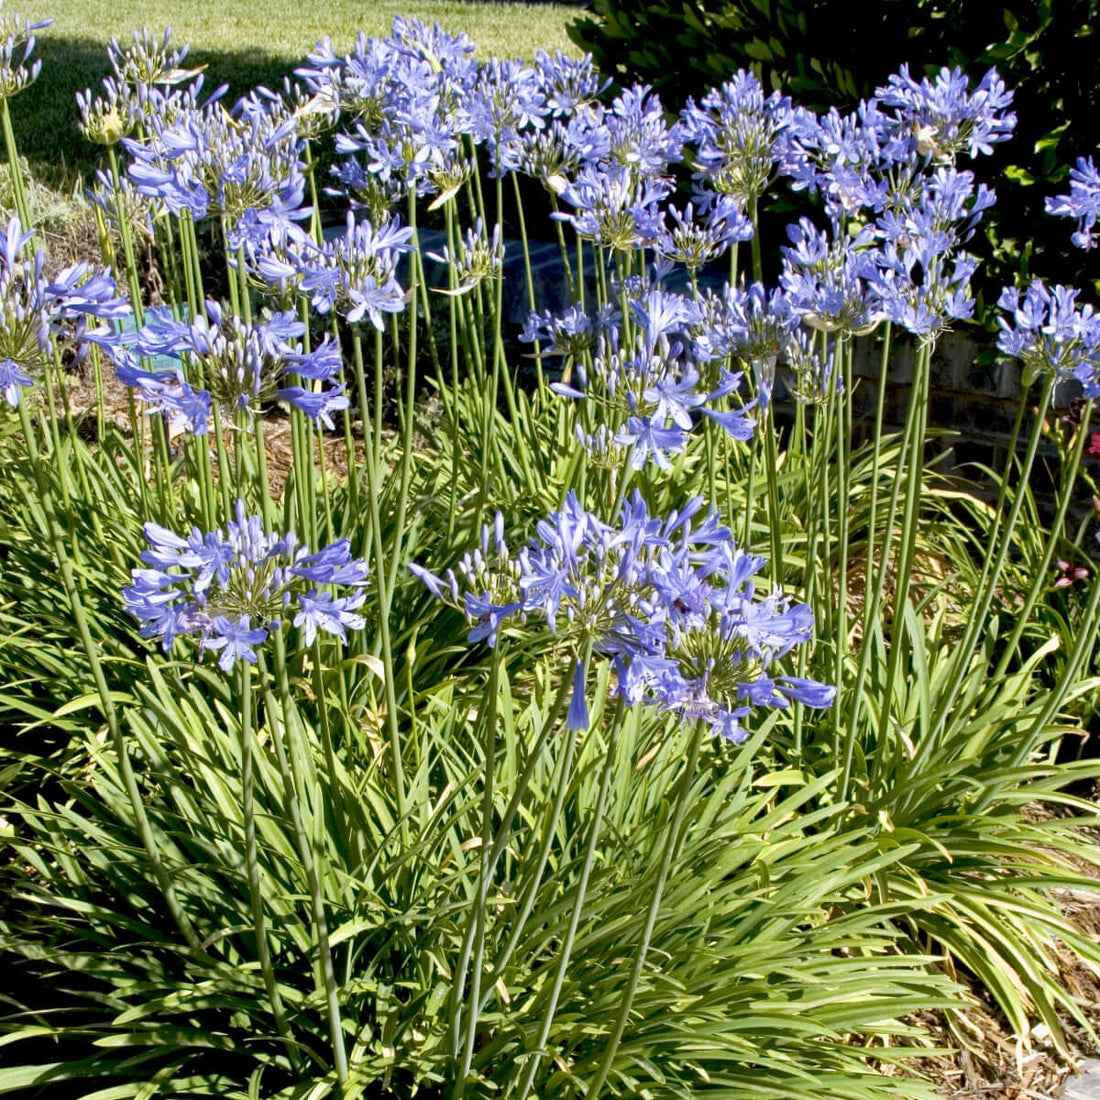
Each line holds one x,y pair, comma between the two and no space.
243,44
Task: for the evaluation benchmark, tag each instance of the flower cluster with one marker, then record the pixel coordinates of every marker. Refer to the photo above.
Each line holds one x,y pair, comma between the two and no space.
245,167
355,273
1049,331
149,83
672,602
945,117
17,37
401,99
877,159
241,365
648,391
697,243
476,257
234,588
1082,202
737,134
38,316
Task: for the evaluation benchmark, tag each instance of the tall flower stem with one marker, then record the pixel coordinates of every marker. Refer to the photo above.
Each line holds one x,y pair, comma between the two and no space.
775,512
757,262
552,819
1039,580
129,256
870,608
528,277
479,915
91,651
576,908
304,471
842,369
672,850
750,491
374,489
912,468
416,277
994,563
252,865
309,168
289,768
242,280
349,439
450,401
873,601
501,841
55,444
575,293
15,169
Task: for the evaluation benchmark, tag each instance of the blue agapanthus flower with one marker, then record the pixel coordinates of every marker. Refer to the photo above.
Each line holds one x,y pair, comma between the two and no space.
1049,331
242,364
696,242
149,82
671,602
39,316
945,117
826,280
736,131
232,589
245,167
402,101
616,207
17,37
1082,202
354,273
650,393
568,83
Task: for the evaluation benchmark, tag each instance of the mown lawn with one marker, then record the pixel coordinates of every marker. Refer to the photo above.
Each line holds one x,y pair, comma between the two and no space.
242,42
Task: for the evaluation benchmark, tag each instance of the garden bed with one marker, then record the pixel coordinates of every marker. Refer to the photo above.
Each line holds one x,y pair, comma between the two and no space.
400,704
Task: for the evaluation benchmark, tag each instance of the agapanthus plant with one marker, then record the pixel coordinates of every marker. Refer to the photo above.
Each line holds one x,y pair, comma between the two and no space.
808,367
242,365
17,37
1082,202
354,274
505,100
672,602
946,117
568,83
39,316
826,280
646,395
233,589
1049,331
752,325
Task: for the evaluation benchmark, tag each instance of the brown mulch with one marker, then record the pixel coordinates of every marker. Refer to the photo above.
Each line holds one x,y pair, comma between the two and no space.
989,1063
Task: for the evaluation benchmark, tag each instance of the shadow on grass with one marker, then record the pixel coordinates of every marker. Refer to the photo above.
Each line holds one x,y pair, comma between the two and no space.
46,117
